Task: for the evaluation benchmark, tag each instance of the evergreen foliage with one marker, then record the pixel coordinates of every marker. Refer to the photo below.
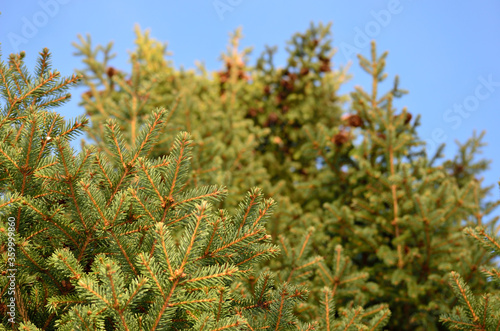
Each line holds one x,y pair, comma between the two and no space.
477,312
345,170
116,239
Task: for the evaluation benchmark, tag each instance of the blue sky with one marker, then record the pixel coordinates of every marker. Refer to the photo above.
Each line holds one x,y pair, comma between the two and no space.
445,52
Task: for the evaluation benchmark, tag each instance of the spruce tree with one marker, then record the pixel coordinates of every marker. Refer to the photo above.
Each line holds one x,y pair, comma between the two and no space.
401,214
345,170
115,239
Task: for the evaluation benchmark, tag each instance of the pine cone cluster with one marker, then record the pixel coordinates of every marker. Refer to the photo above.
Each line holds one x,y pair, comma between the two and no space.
239,67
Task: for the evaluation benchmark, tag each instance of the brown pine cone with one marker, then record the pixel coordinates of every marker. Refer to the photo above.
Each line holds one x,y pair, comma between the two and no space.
252,112
111,72
325,67
408,118
340,138
223,76
354,121
87,94
273,118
